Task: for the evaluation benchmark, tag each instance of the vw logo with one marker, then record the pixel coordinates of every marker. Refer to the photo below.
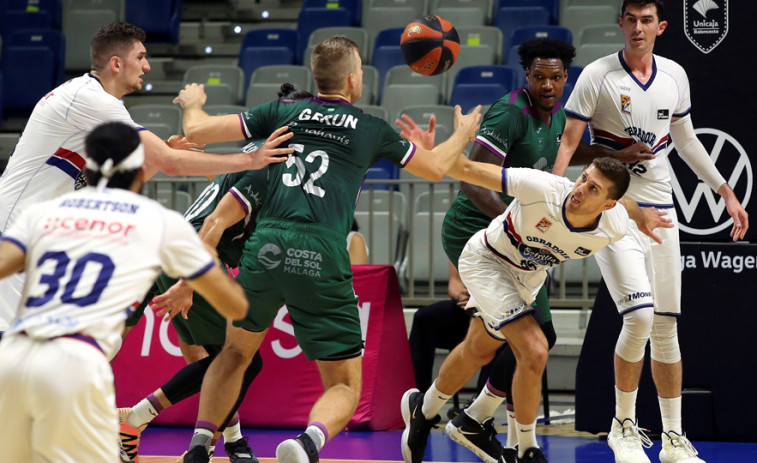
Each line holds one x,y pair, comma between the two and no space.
695,199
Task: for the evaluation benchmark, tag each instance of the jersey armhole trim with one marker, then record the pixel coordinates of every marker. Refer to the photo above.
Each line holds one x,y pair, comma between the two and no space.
575,115
481,140
202,271
14,241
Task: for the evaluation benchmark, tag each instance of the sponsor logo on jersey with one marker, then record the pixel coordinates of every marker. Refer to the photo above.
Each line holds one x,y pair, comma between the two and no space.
583,251
541,144
625,103
663,114
270,256
705,23
495,325
543,225
559,138
701,210
634,297
538,256
303,262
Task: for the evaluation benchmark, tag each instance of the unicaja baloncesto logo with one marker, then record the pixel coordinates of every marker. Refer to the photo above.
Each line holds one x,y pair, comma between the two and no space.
705,22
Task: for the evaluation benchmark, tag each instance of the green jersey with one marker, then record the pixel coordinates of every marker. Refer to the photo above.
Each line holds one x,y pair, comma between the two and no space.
335,143
512,131
249,188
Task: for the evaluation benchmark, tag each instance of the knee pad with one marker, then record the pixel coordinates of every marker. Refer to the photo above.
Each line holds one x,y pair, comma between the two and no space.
637,326
664,339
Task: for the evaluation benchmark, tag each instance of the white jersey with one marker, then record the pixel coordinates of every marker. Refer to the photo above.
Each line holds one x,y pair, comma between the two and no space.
533,233
621,110
91,258
48,157
47,160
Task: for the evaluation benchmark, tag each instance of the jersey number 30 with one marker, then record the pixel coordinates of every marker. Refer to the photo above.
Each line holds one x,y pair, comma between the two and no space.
296,179
53,280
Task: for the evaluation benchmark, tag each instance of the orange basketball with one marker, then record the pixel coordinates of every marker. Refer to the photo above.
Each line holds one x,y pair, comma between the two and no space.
430,45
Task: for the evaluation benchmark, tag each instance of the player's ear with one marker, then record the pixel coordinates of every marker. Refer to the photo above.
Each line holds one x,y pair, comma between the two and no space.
609,204
662,27
114,63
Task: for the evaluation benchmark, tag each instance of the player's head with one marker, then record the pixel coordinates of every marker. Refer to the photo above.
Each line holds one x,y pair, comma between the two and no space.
598,187
288,93
114,156
337,68
118,49
642,21
546,64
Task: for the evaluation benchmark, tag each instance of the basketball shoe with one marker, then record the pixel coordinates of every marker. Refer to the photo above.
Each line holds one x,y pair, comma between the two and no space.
678,449
301,449
533,455
479,438
196,454
240,451
417,427
627,441
129,437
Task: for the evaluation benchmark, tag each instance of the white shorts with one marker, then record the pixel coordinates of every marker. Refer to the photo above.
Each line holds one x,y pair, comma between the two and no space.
499,293
640,273
10,296
57,402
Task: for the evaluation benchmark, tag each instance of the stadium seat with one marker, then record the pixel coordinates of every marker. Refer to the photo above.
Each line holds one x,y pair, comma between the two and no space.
356,34
264,47
32,65
444,118
375,111
573,73
273,76
354,7
387,53
566,91
481,36
81,19
381,217
523,34
402,74
380,19
159,19
13,21
484,6
601,33
311,19
370,84
426,249
552,6
153,116
223,83
576,18
507,19
480,55
224,109
461,16
398,96
482,85
585,54
513,60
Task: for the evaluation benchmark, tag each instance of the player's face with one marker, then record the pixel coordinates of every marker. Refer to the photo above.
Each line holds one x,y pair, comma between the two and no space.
641,26
590,194
546,80
134,66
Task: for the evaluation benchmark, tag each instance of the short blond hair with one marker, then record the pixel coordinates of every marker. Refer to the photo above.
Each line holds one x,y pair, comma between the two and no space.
332,61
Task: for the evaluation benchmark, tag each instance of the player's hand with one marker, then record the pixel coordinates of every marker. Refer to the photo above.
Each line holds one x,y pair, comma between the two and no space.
468,123
180,142
739,216
193,95
420,137
269,152
177,300
634,153
651,219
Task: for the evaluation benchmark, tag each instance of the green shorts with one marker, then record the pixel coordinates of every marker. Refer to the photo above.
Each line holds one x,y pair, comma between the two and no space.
459,225
307,267
204,326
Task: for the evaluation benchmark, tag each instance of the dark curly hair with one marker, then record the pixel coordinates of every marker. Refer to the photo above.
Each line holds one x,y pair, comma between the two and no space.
546,48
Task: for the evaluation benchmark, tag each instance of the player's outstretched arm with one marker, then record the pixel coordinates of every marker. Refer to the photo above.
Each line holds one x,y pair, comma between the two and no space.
647,218
692,151
434,164
199,126
571,136
586,153
12,259
223,293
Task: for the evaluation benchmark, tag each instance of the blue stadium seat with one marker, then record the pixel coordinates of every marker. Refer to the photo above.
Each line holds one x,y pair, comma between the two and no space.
311,19
51,8
383,169
266,47
573,73
482,85
507,19
512,59
355,8
552,6
566,91
160,20
523,34
387,53
13,21
32,65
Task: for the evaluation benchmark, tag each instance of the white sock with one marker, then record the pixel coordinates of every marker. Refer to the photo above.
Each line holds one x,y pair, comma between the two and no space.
526,437
433,401
142,413
484,406
670,409
625,404
512,430
232,433
317,436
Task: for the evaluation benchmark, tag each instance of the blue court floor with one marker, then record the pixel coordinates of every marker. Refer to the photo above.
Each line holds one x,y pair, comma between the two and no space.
385,446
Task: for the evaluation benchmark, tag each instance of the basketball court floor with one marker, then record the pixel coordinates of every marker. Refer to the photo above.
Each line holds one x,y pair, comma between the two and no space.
164,445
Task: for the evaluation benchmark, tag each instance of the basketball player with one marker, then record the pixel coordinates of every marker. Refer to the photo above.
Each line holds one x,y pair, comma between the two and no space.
47,161
90,256
522,129
503,266
310,209
634,95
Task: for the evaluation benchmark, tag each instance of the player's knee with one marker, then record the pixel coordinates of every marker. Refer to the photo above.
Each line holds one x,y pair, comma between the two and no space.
637,326
475,354
664,339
